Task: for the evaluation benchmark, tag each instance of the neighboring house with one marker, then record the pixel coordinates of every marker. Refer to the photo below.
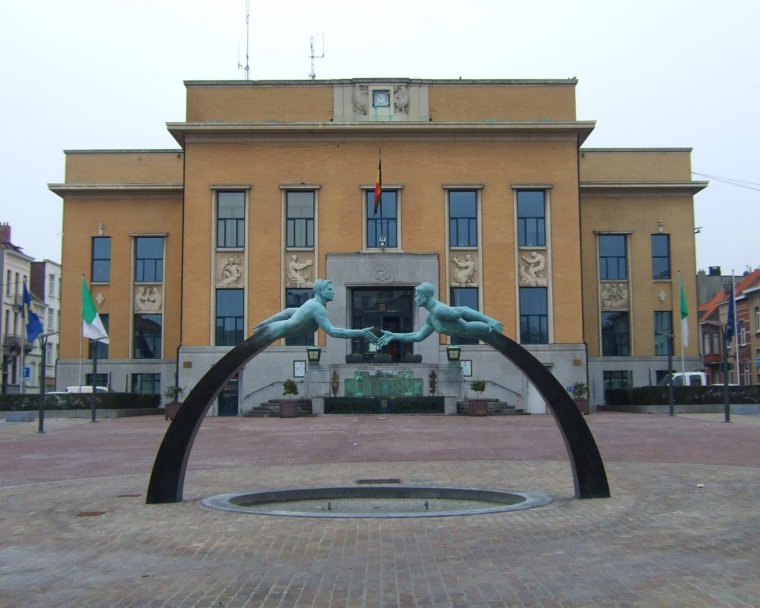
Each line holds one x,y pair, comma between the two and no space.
487,193
17,353
712,324
46,286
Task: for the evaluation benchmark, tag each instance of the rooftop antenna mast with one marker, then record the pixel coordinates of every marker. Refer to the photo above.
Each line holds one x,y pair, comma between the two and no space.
312,74
246,67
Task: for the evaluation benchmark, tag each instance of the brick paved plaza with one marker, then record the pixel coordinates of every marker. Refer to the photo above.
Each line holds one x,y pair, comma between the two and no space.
681,529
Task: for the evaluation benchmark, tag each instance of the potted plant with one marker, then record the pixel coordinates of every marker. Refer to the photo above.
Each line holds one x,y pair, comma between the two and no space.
579,391
354,358
478,406
382,358
288,407
173,394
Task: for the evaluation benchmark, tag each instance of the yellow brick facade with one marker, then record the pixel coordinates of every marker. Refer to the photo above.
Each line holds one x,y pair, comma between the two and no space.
495,137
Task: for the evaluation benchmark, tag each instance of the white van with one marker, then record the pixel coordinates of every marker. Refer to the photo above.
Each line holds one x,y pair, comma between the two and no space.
87,389
687,379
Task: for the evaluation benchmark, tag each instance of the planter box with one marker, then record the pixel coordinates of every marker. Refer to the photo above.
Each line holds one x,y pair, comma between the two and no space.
478,407
413,359
170,410
382,359
289,409
582,405
354,359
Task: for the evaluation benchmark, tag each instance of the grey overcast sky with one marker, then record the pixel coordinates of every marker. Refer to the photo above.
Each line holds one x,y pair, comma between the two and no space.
102,74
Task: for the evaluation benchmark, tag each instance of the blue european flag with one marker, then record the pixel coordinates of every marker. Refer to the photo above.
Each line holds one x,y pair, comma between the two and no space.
32,321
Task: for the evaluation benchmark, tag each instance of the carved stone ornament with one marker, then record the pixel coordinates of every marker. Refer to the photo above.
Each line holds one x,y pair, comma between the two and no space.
383,271
662,296
148,298
299,274
229,271
532,266
401,100
360,98
463,270
614,296
99,299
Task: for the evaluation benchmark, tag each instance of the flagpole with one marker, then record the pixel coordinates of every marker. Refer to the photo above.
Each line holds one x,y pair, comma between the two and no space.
25,320
683,365
380,181
736,334
81,338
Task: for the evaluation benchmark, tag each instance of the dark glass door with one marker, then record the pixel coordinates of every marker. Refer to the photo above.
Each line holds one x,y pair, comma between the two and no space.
383,309
228,398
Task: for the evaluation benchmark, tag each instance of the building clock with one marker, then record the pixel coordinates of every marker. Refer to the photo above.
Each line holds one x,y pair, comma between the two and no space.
381,98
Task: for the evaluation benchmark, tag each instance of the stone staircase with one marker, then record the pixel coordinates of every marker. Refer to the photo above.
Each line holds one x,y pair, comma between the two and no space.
271,409
495,408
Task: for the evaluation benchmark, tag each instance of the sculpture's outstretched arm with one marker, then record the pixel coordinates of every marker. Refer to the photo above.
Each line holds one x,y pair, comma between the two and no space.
417,336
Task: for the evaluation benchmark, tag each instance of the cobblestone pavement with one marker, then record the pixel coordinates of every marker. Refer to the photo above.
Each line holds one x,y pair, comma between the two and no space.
681,529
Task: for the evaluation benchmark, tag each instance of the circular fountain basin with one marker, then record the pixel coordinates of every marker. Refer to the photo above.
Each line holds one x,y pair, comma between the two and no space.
377,501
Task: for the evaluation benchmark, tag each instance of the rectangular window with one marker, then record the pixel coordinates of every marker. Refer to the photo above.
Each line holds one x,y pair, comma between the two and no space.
50,325
663,329
757,319
747,373
615,334
51,285
8,282
742,333
300,219
147,338
230,220
100,346
294,298
149,259
706,343
660,256
531,218
613,262
463,218
534,316
100,379
464,296
101,259
148,384
384,224
49,354
617,379
229,317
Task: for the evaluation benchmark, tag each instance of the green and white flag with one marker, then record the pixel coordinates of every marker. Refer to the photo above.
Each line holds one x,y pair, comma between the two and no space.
92,326
684,316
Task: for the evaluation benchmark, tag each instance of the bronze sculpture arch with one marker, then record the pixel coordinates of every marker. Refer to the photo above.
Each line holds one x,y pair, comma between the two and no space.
168,475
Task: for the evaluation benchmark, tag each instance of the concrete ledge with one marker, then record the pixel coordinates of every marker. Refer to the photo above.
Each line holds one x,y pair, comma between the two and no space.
712,408
120,413
20,416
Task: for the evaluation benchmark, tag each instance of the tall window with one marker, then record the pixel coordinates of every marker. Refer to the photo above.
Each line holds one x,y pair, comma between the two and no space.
294,298
463,218
660,256
100,346
8,282
742,333
101,260
615,334
300,219
663,329
230,220
531,218
385,222
464,296
149,259
147,338
229,317
534,316
613,262
149,384
51,285
757,319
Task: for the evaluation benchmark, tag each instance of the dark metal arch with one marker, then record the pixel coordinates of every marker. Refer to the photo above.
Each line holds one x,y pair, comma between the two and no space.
167,479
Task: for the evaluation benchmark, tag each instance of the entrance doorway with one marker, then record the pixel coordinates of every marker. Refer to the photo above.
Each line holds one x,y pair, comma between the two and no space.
228,398
383,309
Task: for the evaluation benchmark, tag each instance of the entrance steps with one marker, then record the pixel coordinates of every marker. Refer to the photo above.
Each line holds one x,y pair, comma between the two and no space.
495,408
271,409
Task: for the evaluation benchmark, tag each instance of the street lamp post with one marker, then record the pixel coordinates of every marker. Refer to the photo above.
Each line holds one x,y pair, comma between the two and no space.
669,336
43,338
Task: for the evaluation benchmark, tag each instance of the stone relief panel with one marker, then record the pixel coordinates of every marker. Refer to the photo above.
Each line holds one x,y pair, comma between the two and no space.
360,99
229,270
401,99
532,267
149,298
614,296
464,270
299,272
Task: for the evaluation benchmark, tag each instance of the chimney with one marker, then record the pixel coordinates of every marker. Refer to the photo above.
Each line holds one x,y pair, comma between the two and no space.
5,231
715,271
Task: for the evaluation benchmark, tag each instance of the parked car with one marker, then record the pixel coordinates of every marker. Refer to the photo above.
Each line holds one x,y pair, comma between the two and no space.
685,379
87,389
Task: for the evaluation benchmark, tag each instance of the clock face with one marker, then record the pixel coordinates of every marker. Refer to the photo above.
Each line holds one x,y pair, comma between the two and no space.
381,98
